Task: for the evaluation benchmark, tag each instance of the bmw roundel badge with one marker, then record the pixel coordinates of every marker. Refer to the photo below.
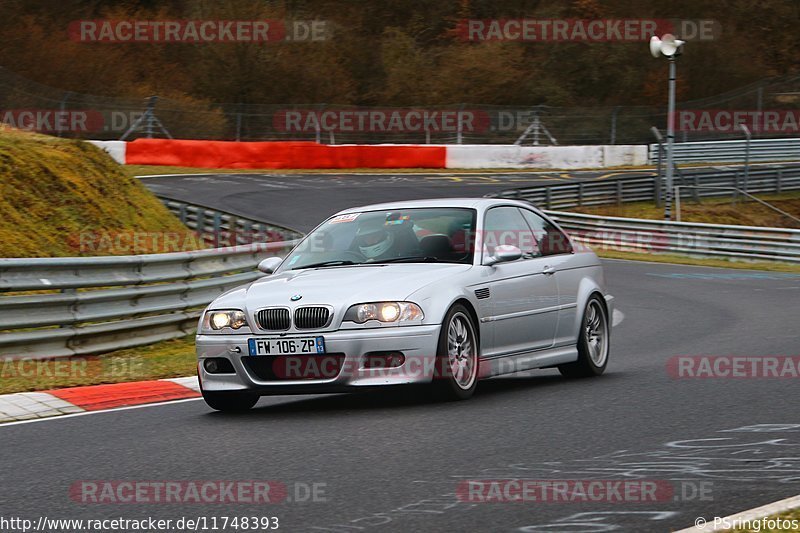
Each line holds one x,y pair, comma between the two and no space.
296,297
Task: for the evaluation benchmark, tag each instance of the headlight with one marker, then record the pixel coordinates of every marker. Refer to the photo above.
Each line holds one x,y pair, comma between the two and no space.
227,318
384,312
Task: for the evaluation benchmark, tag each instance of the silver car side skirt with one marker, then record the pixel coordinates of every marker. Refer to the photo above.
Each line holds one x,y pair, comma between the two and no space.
516,362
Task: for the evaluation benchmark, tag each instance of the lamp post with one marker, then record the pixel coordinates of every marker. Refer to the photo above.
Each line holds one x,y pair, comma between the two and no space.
669,47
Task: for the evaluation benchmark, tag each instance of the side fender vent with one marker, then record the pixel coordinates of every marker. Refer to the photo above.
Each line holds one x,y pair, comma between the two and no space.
482,294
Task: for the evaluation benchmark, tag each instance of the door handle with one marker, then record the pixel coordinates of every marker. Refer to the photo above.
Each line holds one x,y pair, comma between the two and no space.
548,270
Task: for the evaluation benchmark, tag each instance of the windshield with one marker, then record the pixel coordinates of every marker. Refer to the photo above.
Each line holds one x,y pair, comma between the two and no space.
442,234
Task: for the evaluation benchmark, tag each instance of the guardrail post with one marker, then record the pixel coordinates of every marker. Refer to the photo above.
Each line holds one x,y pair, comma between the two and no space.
580,194
72,311
233,230
200,222
548,198
182,213
247,229
778,180
657,190
695,193
216,227
619,192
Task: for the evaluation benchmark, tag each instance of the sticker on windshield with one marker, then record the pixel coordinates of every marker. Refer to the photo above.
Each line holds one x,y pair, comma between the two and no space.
344,218
397,220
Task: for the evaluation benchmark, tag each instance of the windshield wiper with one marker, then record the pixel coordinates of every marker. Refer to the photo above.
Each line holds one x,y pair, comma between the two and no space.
338,262
412,259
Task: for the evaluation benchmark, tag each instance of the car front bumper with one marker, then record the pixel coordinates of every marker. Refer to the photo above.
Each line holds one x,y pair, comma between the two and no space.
418,344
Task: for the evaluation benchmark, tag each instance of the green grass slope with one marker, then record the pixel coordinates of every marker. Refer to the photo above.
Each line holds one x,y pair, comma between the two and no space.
63,197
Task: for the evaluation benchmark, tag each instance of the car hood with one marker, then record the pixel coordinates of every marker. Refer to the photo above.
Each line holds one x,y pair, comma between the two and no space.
345,285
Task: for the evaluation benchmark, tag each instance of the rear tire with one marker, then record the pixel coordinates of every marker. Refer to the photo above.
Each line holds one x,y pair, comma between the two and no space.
457,356
593,342
230,402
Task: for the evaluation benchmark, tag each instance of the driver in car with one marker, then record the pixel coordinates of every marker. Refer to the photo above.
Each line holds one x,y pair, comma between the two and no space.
379,240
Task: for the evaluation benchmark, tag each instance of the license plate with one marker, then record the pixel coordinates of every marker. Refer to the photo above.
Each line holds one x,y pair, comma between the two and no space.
289,346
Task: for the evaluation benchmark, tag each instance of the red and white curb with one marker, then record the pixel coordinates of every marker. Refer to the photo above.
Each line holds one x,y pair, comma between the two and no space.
57,402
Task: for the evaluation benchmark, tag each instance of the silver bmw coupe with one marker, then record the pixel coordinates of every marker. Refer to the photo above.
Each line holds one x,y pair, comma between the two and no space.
440,293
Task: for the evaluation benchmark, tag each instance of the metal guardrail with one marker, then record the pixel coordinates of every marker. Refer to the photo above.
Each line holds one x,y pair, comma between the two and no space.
647,189
96,304
219,228
88,305
656,236
732,151
684,238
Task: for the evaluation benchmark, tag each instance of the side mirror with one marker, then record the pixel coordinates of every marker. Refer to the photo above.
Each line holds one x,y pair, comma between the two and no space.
269,264
503,254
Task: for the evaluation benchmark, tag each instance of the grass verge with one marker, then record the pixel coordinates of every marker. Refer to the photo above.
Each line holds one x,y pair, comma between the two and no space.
167,359
714,211
62,197
697,261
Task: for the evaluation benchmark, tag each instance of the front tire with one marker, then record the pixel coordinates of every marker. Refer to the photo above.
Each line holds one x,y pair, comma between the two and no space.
230,402
593,342
457,356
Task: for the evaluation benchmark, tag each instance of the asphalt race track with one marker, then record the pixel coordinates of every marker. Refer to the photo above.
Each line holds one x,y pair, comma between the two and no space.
389,461
300,201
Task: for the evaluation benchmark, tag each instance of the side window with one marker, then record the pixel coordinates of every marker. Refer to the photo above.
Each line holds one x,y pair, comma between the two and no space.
551,240
505,225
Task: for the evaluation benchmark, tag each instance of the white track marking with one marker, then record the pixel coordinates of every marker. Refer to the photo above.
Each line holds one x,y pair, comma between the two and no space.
617,317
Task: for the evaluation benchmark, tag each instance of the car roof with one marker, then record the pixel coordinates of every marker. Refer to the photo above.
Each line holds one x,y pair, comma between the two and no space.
471,203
